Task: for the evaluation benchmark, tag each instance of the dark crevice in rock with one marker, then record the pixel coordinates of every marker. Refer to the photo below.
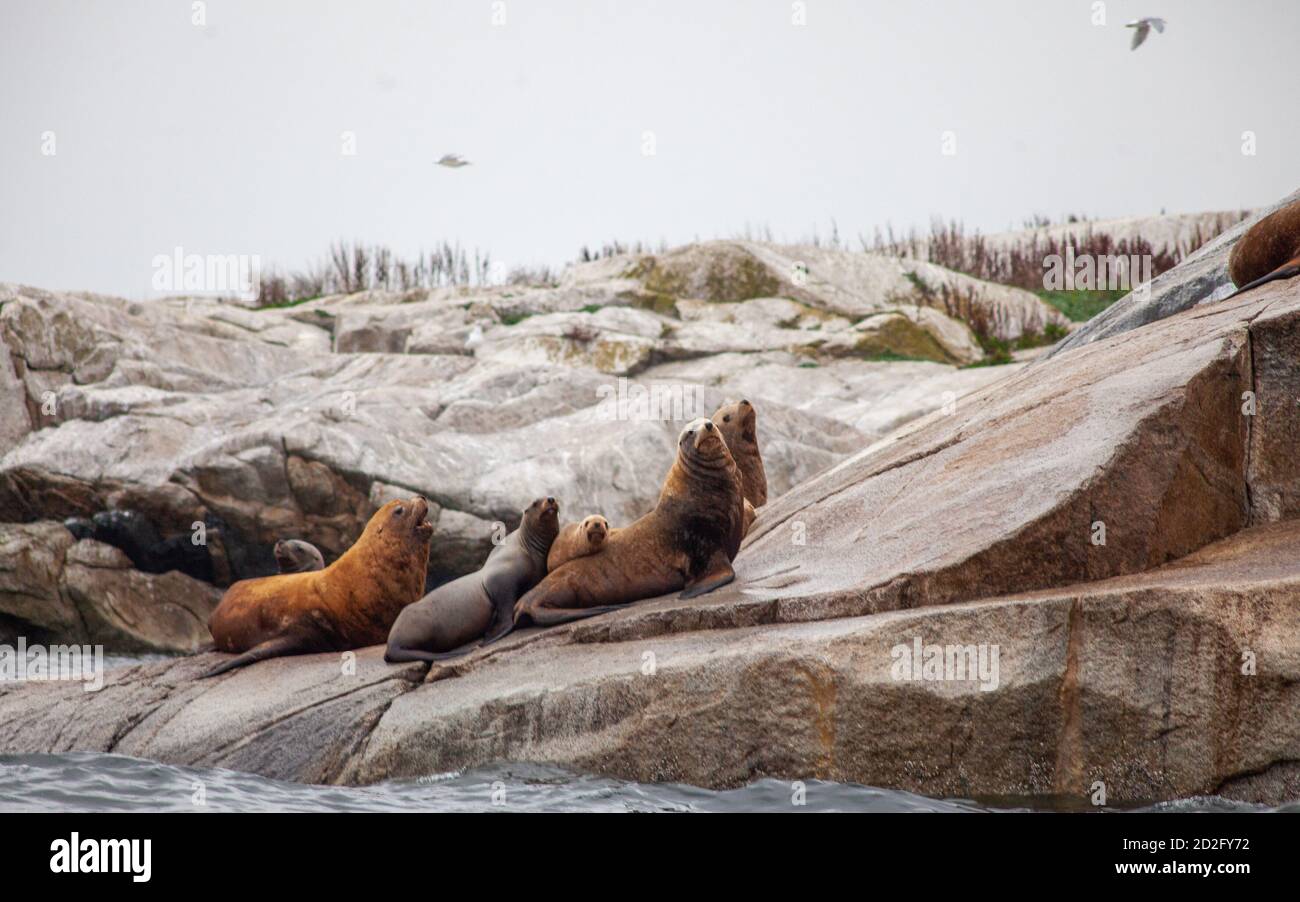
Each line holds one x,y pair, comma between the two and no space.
350,758
1068,773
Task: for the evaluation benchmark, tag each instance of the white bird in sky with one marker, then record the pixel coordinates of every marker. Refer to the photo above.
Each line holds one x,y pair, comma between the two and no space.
453,161
1143,27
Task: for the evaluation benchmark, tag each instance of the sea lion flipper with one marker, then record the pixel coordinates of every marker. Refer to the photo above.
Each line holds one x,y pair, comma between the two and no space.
1287,271
402,655
504,627
271,648
718,574
554,616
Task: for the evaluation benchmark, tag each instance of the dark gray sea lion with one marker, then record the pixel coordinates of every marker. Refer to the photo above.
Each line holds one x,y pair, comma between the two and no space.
80,527
138,538
132,532
686,543
297,556
478,605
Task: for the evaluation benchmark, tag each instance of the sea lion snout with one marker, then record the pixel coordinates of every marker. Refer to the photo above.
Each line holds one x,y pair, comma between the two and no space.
694,430
596,528
739,417
415,512
544,511
701,435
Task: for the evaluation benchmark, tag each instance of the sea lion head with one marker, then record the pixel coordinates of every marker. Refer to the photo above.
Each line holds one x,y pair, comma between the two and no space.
702,441
595,528
541,524
401,524
737,418
295,556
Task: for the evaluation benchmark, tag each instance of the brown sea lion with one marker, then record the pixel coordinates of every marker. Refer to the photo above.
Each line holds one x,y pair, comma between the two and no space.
457,613
349,604
1270,250
739,424
297,556
685,543
578,540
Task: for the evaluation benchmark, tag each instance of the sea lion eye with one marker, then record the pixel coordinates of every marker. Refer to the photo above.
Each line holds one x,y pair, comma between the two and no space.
727,418
709,426
399,510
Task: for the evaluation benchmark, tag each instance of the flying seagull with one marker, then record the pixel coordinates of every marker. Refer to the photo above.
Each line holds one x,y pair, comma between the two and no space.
452,161
1143,27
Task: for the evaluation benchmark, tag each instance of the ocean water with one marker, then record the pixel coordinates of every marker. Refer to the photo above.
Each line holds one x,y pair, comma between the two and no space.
87,781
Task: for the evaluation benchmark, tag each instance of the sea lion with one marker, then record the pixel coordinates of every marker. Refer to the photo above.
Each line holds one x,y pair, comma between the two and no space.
297,556
349,604
80,527
138,538
132,532
739,424
1270,250
458,612
578,540
686,543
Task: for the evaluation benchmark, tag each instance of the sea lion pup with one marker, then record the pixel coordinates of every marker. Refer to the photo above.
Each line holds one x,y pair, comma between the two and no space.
349,604
578,540
1269,250
739,424
458,612
297,556
685,543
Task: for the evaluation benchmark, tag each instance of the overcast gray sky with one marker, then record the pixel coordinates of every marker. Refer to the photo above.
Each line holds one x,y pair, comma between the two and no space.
226,138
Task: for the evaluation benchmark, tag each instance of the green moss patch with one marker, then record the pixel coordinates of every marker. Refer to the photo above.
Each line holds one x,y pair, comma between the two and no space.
902,339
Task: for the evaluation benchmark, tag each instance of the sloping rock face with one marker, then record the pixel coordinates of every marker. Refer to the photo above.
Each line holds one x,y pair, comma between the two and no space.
1106,543
1201,278
1176,682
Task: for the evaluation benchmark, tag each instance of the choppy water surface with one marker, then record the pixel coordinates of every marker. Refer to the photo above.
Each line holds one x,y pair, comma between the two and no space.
85,781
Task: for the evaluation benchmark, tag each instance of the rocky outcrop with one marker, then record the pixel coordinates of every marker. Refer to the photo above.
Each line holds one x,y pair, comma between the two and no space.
54,589
836,281
297,422
1115,525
